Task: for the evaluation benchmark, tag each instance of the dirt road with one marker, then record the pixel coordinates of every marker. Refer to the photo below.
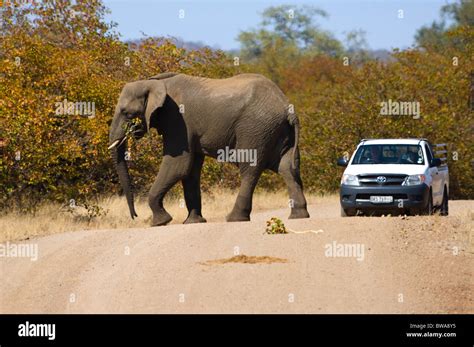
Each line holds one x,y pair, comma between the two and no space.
356,265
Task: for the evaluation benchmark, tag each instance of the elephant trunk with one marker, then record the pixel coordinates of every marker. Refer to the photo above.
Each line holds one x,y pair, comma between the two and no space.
118,144
124,176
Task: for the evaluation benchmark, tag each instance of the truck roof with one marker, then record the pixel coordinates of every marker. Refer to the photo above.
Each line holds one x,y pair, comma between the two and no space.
411,141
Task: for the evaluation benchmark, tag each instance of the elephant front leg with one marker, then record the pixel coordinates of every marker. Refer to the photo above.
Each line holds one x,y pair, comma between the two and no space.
192,192
172,170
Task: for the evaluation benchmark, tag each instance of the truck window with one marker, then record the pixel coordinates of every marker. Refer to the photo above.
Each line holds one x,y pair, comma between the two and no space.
389,154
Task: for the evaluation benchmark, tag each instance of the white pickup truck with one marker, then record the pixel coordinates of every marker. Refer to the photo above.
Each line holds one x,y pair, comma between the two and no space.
396,176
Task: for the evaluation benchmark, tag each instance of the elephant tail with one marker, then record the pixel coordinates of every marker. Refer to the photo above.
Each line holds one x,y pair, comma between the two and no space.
295,124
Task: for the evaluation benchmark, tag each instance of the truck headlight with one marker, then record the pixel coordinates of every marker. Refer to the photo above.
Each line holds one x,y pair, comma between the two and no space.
350,180
413,180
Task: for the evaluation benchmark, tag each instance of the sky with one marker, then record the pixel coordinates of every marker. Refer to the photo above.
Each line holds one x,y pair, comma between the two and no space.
218,23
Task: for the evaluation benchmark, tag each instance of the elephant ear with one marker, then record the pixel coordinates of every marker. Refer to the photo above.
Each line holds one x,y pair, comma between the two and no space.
156,99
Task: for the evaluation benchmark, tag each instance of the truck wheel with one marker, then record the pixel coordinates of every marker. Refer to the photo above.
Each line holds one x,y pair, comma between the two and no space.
348,212
428,209
444,211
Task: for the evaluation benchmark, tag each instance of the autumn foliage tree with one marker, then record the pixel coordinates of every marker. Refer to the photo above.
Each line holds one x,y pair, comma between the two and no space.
58,50
338,99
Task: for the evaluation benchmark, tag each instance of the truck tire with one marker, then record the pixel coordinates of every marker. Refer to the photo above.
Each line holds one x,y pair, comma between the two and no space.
444,209
348,212
428,209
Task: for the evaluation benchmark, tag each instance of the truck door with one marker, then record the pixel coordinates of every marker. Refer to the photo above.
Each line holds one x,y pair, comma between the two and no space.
435,176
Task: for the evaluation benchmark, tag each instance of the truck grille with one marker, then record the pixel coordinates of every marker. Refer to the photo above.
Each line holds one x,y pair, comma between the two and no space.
370,180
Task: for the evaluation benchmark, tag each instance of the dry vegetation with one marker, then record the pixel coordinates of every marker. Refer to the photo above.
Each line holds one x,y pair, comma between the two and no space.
51,218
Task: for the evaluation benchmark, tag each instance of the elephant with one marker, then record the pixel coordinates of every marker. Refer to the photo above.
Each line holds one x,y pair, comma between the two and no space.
200,117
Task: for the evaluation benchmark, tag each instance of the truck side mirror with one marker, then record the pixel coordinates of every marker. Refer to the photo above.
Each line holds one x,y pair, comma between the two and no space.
342,162
435,162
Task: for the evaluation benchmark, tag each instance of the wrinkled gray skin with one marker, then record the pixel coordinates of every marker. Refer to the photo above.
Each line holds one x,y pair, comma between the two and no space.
247,111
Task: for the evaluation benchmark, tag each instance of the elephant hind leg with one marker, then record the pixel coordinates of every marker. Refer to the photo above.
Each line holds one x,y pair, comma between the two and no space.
172,170
295,186
192,191
243,204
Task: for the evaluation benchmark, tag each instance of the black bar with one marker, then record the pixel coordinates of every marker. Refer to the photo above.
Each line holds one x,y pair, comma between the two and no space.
171,329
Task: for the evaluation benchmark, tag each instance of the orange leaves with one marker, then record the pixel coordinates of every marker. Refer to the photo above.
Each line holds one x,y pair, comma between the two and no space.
65,156
338,105
77,59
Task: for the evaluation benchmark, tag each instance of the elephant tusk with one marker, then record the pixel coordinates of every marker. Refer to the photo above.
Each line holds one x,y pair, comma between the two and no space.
124,138
116,142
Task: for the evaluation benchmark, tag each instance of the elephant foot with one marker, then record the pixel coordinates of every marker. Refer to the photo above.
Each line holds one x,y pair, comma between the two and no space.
237,217
161,218
194,217
297,213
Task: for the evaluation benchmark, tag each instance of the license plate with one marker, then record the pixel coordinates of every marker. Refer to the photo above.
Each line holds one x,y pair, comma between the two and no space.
381,199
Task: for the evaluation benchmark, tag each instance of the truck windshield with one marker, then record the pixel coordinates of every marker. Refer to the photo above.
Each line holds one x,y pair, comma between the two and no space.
389,154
